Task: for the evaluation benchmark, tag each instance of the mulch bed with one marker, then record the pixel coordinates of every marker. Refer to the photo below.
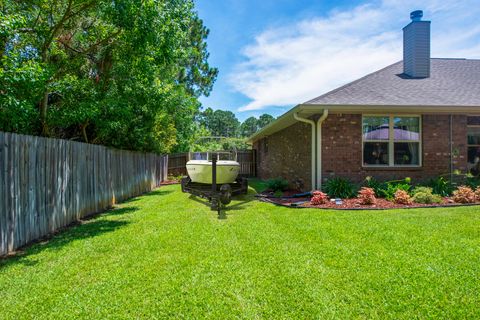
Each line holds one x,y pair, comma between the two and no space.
353,204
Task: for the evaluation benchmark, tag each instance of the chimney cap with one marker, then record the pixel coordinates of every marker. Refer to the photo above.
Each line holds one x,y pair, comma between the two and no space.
416,15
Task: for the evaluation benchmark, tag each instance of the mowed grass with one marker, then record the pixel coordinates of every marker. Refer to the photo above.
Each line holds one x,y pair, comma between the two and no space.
164,255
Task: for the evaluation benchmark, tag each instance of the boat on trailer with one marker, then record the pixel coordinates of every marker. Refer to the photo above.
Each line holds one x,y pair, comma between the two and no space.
214,176
199,167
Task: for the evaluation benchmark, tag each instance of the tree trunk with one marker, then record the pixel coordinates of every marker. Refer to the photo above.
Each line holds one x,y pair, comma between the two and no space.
84,132
43,113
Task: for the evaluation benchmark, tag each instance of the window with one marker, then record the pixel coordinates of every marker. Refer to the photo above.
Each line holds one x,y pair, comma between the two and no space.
391,140
473,140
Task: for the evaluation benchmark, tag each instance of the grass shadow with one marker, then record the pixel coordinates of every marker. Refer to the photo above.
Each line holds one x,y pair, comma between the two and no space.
89,227
157,192
239,204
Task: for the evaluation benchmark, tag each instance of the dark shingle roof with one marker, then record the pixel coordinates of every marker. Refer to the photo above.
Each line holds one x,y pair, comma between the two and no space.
452,82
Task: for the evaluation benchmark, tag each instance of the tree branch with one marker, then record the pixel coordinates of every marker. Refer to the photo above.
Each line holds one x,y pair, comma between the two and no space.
93,46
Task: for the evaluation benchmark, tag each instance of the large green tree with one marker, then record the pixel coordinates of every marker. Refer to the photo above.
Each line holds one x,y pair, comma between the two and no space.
264,120
249,127
252,124
124,73
220,123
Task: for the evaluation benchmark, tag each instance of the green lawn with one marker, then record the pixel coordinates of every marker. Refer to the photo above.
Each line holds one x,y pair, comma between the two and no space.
165,255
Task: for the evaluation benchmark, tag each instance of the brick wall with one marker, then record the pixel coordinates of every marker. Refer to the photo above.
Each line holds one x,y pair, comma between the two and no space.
288,153
342,149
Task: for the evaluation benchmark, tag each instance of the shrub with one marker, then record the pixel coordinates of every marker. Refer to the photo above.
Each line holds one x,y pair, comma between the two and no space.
377,186
278,194
402,197
472,182
425,195
340,188
392,186
441,186
366,196
464,194
277,184
318,198
477,194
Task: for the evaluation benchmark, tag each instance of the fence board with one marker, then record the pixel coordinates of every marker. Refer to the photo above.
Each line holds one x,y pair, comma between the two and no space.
46,184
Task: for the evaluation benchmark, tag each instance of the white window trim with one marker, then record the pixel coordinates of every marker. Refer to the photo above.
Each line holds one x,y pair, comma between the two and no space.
471,145
391,142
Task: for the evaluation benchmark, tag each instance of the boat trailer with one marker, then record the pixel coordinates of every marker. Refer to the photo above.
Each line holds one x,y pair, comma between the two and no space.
218,196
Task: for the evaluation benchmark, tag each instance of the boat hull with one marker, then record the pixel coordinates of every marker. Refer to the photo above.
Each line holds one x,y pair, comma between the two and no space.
200,171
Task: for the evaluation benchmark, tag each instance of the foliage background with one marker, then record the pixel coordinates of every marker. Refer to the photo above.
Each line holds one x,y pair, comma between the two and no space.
122,73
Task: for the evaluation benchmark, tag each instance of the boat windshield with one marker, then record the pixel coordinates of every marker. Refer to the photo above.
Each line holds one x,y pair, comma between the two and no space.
221,155
199,156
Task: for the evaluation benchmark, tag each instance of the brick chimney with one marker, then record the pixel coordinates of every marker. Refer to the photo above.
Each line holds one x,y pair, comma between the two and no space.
416,46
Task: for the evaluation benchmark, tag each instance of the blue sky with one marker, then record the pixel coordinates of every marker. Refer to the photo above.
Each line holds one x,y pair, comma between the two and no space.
274,54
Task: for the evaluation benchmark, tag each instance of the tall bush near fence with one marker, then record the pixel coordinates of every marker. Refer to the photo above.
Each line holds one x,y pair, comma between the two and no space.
46,184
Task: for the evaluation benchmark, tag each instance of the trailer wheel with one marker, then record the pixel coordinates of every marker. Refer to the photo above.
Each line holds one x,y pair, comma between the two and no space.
184,182
225,194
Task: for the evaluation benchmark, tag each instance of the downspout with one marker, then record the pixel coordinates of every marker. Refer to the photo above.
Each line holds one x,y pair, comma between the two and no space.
451,148
319,148
312,123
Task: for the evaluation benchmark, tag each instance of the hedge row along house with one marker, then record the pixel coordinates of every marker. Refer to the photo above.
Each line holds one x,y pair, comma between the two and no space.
417,118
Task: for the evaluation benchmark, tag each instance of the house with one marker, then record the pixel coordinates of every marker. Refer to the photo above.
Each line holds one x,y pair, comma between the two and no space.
417,118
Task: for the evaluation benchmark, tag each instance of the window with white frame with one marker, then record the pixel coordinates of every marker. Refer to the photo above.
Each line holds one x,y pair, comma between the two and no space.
473,141
391,140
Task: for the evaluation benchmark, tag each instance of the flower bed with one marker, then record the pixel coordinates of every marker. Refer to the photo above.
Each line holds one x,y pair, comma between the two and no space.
352,204
340,193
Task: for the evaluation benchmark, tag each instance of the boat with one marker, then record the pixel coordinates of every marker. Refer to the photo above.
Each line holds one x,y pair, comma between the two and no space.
199,167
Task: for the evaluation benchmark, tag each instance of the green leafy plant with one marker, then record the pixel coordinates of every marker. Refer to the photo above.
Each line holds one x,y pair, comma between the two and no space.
340,188
464,194
366,196
278,194
374,184
472,182
441,186
425,195
390,187
277,184
402,197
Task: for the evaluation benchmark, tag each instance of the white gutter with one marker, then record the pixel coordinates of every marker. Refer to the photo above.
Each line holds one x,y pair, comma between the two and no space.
312,123
319,148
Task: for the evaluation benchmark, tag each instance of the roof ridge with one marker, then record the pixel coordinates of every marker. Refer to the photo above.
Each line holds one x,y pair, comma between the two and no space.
450,59
467,59
351,83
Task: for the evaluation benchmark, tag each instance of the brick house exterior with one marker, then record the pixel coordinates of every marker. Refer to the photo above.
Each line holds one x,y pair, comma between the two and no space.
432,103
286,153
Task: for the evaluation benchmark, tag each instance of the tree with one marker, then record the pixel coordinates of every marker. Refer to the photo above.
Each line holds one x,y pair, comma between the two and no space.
249,127
264,120
252,124
122,73
220,123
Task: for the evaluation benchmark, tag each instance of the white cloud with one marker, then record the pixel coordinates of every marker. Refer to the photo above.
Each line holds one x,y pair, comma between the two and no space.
295,63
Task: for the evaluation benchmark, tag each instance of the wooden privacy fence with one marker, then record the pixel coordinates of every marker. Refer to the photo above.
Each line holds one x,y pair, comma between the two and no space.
177,163
46,184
